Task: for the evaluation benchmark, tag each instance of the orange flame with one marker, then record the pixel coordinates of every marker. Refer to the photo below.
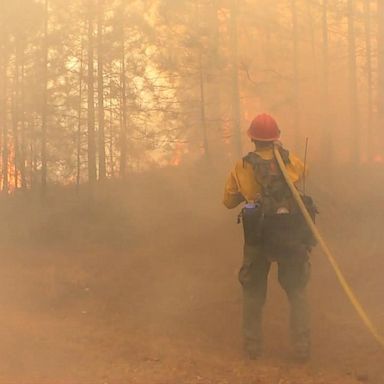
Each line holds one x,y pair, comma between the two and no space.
10,170
178,153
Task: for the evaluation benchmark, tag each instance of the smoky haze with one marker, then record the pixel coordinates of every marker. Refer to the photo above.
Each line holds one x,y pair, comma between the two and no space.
119,124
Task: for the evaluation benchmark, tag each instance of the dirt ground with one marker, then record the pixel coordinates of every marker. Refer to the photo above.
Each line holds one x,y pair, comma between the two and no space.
167,310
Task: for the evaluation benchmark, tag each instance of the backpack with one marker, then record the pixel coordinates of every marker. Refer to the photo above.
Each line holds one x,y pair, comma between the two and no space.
275,191
276,232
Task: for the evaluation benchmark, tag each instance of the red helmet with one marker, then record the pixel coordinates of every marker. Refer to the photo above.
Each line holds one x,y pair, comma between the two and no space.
264,128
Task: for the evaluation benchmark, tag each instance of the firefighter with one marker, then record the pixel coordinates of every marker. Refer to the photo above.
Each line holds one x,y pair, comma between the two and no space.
273,233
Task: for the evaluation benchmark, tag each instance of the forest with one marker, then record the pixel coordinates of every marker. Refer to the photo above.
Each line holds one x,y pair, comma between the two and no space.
120,121
94,90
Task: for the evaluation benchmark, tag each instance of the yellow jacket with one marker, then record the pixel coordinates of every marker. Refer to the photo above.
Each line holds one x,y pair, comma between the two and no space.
242,186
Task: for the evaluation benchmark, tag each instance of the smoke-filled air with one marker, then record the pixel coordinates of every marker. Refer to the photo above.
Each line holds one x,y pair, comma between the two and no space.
191,191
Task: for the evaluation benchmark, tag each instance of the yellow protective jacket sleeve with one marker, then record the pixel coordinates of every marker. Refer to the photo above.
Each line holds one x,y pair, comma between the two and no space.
242,186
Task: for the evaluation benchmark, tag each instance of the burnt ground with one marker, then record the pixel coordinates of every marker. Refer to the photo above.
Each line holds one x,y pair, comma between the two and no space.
166,308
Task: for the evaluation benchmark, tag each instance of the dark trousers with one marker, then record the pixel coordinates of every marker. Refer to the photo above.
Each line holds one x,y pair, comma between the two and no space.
293,275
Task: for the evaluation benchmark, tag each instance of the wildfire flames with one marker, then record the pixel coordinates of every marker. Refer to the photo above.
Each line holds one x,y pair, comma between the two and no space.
180,150
13,178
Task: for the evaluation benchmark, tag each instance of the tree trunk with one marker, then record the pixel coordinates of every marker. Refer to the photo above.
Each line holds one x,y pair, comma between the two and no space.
92,177
203,120
296,79
326,145
236,109
100,90
380,50
16,112
44,112
3,103
79,117
352,74
111,131
23,156
368,57
123,110
15,136
213,89
312,39
32,154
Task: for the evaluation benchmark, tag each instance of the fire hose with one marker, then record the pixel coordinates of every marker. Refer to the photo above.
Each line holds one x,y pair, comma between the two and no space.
316,233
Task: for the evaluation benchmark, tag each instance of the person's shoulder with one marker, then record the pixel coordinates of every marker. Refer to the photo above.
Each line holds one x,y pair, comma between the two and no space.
288,155
294,158
296,164
243,163
290,158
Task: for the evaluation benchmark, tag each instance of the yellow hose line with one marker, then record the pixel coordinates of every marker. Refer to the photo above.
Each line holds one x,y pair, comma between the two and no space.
343,282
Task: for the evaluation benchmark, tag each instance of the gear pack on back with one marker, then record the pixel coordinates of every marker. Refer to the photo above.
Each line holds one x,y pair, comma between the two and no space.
275,192
280,226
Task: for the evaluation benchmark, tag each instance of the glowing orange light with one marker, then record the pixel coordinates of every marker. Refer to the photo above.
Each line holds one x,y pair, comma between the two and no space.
177,154
11,169
378,159
13,174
